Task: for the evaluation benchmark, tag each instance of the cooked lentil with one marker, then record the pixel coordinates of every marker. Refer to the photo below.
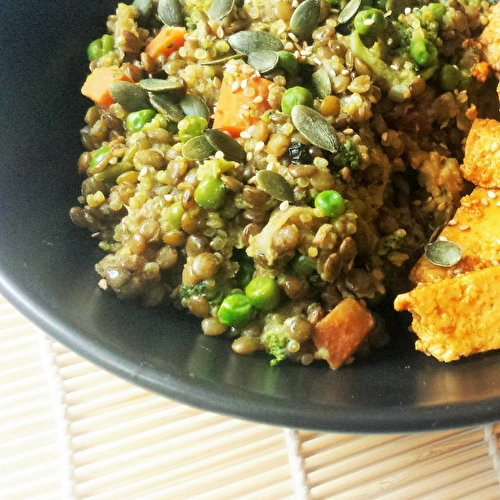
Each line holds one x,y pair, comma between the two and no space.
179,207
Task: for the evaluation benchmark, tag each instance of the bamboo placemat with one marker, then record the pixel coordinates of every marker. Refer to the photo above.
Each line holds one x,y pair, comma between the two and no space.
71,431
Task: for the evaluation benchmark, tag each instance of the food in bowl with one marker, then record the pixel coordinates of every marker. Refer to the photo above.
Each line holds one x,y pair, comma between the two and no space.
276,167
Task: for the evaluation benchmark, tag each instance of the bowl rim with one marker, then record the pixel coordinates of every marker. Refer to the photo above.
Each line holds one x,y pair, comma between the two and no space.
258,408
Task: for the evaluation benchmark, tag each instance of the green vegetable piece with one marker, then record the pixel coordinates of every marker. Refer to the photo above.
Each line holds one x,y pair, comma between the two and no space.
288,63
449,77
331,202
423,52
136,120
263,293
95,50
439,10
210,193
370,22
304,266
175,213
108,43
97,158
235,310
191,126
294,96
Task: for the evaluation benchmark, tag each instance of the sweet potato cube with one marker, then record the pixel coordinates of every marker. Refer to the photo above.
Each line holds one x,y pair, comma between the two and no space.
99,82
456,317
476,229
490,39
340,332
482,154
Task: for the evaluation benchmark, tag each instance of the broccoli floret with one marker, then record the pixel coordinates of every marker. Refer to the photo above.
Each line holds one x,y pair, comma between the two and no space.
347,156
402,82
275,339
213,293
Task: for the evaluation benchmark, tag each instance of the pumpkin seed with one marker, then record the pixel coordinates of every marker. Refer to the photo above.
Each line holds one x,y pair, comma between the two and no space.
315,128
159,85
170,12
349,11
263,60
225,143
275,185
129,96
222,60
220,9
193,105
443,253
145,10
171,111
322,83
305,19
197,148
247,42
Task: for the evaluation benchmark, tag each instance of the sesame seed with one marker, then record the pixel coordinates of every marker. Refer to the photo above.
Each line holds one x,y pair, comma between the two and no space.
245,135
270,166
289,46
369,22
284,206
345,173
296,54
485,202
292,36
463,227
281,30
443,238
219,155
235,86
407,11
390,41
113,160
258,99
384,136
317,61
244,84
348,131
168,197
441,206
220,32
295,4
259,147
103,284
495,262
491,195
144,171
95,235
245,106
249,156
452,222
494,147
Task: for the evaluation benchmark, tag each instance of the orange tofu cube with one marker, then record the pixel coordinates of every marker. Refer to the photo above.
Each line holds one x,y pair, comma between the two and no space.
490,39
341,331
476,229
456,317
482,154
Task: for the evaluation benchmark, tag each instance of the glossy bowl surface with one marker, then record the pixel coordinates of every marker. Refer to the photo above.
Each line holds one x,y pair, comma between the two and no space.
46,270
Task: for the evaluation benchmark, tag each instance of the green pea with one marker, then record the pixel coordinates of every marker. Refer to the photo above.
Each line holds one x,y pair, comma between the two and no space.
331,202
424,53
263,293
235,310
175,213
449,77
210,193
288,63
304,266
370,22
294,96
136,120
439,10
95,50
97,157
108,43
191,126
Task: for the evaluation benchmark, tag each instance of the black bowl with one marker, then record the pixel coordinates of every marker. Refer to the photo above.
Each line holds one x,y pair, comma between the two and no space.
46,270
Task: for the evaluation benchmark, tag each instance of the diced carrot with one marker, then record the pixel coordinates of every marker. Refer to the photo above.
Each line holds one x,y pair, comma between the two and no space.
166,41
340,332
98,83
237,110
